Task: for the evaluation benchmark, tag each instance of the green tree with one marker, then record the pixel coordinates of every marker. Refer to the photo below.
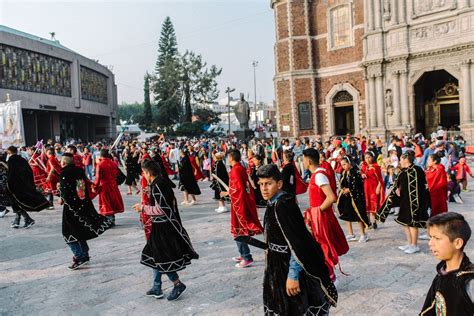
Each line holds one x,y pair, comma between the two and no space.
166,84
147,114
198,82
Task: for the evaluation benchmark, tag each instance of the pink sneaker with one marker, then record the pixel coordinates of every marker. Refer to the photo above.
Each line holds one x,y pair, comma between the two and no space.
244,264
237,259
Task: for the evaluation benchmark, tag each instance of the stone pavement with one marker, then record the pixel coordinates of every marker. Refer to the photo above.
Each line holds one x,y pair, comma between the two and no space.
34,279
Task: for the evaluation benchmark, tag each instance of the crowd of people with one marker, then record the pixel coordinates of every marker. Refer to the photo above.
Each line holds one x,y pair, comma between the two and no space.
353,178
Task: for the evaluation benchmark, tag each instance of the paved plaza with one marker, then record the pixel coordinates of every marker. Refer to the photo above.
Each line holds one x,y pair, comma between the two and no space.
34,279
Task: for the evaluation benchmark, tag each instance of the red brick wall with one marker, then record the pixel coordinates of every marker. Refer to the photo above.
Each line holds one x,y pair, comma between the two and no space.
300,54
282,55
282,23
356,79
298,18
284,103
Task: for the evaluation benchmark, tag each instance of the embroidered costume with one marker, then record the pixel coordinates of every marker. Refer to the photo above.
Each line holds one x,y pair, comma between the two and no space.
110,199
351,207
187,180
373,175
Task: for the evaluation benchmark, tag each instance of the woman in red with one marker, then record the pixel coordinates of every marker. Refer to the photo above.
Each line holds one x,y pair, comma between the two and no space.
39,169
373,185
53,169
437,180
110,200
198,175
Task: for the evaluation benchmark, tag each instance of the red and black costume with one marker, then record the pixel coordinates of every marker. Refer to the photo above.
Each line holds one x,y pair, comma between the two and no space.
437,180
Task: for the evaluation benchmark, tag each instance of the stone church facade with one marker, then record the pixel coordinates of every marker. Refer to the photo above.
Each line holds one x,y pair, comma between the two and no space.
374,66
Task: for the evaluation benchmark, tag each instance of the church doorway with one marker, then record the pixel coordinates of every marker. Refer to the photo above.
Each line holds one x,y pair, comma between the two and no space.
343,113
437,102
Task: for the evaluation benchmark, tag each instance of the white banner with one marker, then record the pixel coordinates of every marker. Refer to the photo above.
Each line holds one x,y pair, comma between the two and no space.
11,125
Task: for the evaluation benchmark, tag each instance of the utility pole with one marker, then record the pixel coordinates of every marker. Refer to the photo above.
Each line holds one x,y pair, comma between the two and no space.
255,64
228,91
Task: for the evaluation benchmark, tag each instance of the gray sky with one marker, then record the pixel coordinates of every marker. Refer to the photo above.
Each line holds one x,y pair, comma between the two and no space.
228,33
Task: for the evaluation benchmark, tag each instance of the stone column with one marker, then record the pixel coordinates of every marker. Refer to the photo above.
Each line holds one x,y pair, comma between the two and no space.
394,5
369,14
373,103
466,93
396,98
380,101
367,103
404,98
463,4
402,11
377,13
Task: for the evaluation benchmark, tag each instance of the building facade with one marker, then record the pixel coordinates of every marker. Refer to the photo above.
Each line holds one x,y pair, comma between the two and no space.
319,81
63,94
411,58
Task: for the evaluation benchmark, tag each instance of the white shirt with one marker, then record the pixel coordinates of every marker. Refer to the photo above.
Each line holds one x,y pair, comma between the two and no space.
320,178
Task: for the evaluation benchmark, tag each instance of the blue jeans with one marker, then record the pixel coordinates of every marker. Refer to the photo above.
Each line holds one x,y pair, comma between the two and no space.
244,251
89,172
80,249
172,276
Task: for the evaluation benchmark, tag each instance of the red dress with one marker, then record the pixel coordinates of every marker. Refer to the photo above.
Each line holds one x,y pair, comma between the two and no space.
145,197
53,168
39,171
243,210
168,169
373,201
323,224
197,171
110,199
437,180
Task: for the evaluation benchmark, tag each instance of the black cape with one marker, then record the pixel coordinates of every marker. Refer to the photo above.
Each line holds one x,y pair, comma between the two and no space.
21,186
448,291
4,198
133,172
286,232
289,179
187,182
258,194
414,199
157,158
221,172
351,207
80,219
169,247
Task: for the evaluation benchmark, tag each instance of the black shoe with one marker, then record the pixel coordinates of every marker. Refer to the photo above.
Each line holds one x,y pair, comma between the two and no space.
374,225
16,222
76,264
156,293
178,290
28,223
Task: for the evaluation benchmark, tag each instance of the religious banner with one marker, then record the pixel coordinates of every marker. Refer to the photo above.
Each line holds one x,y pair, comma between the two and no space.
11,125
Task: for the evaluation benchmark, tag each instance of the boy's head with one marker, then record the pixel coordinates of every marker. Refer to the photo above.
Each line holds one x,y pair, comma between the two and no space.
269,180
449,234
234,156
310,158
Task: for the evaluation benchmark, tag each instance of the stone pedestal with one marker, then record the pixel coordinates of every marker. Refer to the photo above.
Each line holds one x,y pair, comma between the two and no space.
244,134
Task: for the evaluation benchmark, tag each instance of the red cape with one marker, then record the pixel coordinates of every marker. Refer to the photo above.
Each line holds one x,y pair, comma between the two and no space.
437,180
374,176
331,175
301,186
110,199
243,211
168,169
197,171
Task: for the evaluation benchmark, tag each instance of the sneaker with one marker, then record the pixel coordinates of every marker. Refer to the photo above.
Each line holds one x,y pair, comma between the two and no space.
244,264
156,293
192,202
364,238
222,210
178,291
412,249
51,208
16,222
76,264
424,236
351,238
184,203
3,213
237,259
403,248
28,223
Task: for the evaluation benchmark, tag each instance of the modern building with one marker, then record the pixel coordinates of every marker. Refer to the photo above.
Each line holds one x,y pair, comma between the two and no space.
411,58
63,94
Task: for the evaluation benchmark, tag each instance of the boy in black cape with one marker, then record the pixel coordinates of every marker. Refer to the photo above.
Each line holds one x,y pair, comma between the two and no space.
81,222
452,290
169,247
296,280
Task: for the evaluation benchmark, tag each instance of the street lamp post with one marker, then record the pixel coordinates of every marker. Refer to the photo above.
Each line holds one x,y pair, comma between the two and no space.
255,64
228,91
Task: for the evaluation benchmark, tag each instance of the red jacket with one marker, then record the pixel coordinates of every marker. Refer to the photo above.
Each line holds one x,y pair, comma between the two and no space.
461,169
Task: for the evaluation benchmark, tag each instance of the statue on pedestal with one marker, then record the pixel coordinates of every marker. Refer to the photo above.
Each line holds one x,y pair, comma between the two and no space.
242,112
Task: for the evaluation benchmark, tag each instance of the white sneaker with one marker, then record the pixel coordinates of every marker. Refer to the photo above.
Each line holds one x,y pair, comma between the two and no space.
222,210
364,238
351,238
403,248
192,202
184,203
412,249
424,236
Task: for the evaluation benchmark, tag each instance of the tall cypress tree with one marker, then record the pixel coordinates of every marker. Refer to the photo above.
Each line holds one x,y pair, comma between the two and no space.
166,85
147,119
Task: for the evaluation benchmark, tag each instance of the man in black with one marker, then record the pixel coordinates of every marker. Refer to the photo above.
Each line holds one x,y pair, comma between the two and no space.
22,190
